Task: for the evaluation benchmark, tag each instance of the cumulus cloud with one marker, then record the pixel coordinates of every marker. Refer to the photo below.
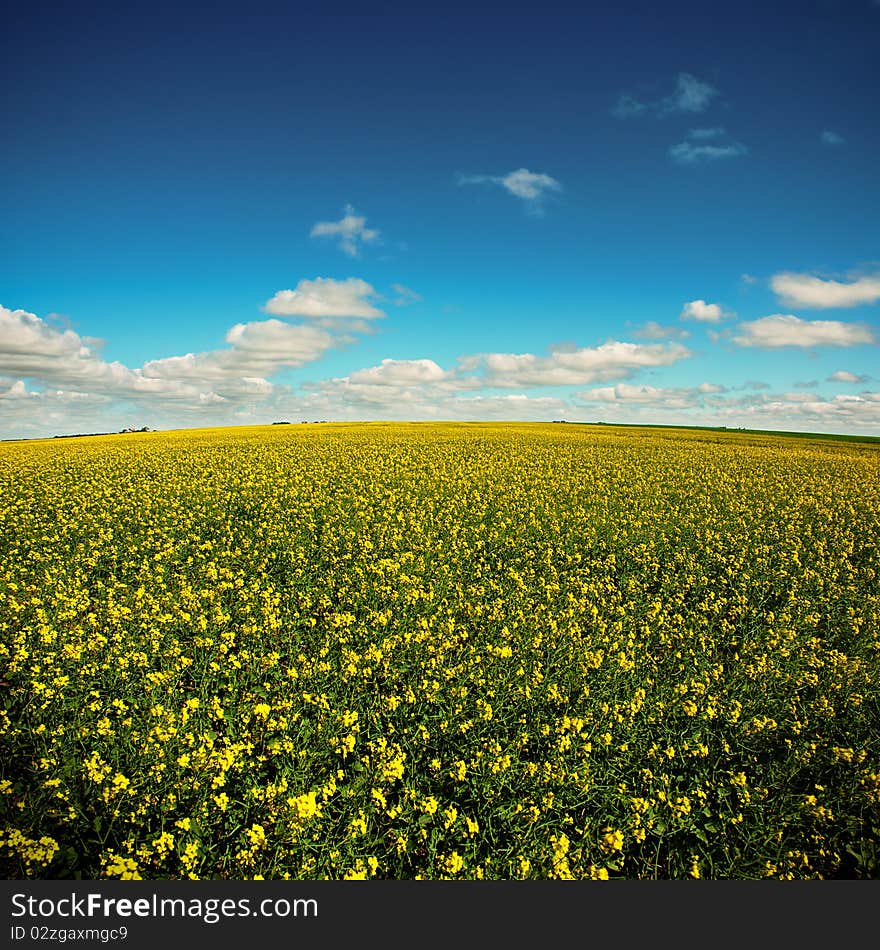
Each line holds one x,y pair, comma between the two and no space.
66,369
703,312
423,386
278,343
530,187
351,230
257,350
27,412
31,348
678,398
51,378
844,376
325,297
786,330
25,334
18,391
805,290
612,360
400,372
669,397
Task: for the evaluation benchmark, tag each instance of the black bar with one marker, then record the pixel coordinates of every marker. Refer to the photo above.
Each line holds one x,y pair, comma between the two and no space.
170,914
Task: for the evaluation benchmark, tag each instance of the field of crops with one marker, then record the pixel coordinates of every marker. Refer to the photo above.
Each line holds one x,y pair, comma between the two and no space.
440,651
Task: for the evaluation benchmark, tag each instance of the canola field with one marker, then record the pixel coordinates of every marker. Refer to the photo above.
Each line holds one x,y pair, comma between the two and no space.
460,651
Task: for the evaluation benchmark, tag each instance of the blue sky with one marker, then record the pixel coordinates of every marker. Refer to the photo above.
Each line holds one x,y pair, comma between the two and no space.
663,214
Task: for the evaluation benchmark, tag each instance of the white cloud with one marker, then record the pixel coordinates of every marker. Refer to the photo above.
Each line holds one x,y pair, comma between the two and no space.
705,404
691,95
257,350
351,231
703,312
407,388
677,398
748,279
68,370
784,330
844,376
275,342
655,331
531,187
612,360
28,412
687,153
17,391
26,334
325,297
658,396
805,290
346,399
832,138
52,382
31,348
795,411
400,372
804,412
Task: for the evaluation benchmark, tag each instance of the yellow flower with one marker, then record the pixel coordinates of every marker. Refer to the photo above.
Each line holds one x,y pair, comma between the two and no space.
305,806
611,841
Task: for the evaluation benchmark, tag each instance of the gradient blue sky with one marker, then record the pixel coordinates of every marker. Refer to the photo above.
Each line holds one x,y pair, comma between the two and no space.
661,213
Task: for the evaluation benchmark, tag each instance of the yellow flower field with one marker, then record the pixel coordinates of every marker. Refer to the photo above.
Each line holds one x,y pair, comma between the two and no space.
440,651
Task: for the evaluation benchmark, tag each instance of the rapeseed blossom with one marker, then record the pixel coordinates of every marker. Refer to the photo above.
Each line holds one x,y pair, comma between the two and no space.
439,650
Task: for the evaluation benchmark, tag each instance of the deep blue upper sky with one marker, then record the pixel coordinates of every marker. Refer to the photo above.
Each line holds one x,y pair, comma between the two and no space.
553,191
